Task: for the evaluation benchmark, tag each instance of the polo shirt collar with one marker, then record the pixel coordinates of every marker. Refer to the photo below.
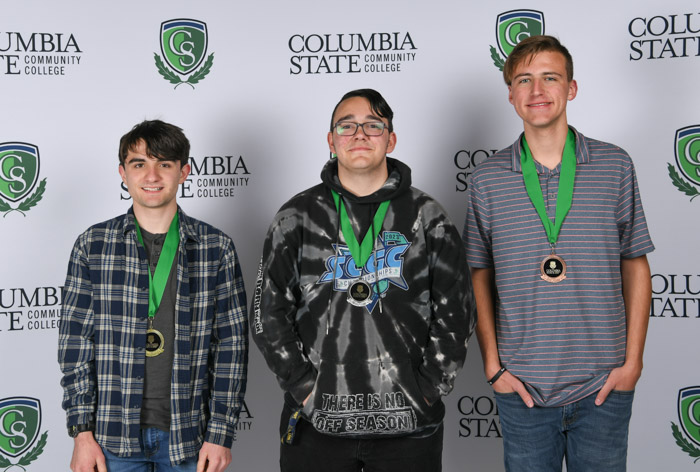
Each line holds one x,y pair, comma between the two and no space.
582,152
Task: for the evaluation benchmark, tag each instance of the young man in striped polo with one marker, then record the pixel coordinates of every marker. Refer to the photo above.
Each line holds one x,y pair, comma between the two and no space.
557,240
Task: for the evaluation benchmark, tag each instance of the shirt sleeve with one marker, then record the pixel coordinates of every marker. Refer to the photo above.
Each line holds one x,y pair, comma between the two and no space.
453,310
228,351
275,305
634,235
76,346
477,231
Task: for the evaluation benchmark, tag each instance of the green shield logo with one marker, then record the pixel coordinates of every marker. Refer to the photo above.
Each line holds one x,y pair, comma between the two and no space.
689,412
515,25
183,43
20,419
687,148
19,170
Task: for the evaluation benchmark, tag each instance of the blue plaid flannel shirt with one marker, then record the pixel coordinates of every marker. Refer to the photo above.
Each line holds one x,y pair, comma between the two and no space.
102,338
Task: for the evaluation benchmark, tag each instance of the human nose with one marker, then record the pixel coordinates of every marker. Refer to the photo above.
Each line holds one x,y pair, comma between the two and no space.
361,131
537,87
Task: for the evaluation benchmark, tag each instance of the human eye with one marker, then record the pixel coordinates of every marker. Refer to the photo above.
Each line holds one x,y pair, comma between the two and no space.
345,127
375,126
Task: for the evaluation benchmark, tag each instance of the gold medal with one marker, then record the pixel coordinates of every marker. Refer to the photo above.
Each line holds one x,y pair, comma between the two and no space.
155,342
553,269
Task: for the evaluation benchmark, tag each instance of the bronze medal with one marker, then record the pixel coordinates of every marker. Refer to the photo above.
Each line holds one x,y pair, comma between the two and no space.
553,269
359,293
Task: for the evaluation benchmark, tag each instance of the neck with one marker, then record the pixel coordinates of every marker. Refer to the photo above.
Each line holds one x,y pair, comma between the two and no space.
362,185
155,220
547,145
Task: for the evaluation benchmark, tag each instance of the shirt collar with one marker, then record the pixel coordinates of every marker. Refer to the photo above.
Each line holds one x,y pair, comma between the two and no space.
582,152
188,231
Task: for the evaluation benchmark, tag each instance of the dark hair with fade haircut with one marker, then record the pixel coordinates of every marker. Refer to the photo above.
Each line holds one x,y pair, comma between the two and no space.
376,102
164,142
529,48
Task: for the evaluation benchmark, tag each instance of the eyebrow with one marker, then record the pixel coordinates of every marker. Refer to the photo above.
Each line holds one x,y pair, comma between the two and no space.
530,74
349,117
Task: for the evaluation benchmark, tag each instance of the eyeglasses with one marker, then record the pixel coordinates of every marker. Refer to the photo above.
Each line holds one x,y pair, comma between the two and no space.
348,128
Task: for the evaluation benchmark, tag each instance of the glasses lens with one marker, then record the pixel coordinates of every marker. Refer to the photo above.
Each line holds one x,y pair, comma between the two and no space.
373,128
345,128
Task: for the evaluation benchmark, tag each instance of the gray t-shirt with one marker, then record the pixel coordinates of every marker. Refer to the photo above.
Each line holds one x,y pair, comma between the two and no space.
155,410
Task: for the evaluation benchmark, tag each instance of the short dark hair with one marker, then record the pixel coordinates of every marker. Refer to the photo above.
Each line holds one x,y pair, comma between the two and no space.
376,103
530,47
164,142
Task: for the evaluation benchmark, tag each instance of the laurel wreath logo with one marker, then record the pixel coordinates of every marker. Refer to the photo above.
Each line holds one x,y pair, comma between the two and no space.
173,78
684,444
681,184
498,61
26,205
28,458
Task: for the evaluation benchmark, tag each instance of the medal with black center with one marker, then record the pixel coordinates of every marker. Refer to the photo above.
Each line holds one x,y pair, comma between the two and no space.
553,269
155,341
359,293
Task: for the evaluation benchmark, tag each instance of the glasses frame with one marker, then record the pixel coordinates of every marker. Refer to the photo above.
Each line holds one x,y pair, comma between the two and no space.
358,126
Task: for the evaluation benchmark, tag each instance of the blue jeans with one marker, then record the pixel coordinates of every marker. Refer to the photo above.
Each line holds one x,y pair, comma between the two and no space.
152,457
591,438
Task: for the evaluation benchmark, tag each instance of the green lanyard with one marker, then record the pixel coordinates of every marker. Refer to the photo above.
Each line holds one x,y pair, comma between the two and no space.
565,193
157,281
360,252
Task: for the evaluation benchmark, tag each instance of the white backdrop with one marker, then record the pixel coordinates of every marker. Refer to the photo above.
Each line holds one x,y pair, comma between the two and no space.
75,76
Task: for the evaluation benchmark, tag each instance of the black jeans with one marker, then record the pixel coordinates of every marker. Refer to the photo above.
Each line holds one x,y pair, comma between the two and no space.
312,451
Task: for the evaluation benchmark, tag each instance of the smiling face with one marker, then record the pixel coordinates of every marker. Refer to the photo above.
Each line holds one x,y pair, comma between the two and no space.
539,91
152,183
360,154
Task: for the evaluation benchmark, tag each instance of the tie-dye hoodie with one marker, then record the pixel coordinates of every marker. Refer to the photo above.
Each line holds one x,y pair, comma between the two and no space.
375,370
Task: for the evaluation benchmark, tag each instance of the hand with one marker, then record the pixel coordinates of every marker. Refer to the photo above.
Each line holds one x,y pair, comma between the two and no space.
620,378
509,383
87,454
213,458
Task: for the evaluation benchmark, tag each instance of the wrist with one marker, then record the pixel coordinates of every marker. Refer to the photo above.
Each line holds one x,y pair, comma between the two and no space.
496,376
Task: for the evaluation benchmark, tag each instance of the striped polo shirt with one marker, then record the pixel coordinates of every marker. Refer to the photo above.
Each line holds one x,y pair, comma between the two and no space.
561,339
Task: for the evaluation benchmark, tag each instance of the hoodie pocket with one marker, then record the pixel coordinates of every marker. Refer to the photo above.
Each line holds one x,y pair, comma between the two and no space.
372,399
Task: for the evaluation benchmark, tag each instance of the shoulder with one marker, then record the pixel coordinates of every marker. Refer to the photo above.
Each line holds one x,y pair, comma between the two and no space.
209,236
500,163
310,203
603,151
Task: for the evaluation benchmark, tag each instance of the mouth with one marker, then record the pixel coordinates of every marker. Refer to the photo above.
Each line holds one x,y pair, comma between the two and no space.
539,105
152,189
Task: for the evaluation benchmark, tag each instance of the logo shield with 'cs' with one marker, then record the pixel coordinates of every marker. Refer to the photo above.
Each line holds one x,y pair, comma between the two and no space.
689,412
19,170
20,420
515,25
183,43
687,148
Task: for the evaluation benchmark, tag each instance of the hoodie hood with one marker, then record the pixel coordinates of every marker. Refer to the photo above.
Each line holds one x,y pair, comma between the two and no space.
398,182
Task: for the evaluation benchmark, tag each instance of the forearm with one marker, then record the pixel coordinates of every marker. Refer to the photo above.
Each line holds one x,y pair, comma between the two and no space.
636,291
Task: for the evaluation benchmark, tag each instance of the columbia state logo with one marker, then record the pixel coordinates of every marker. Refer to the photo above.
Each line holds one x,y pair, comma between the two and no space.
687,150
183,43
19,174
511,28
689,419
366,285
20,423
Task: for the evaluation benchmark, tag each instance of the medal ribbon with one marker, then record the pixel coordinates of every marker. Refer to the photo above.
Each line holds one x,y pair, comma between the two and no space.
565,192
360,252
157,281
